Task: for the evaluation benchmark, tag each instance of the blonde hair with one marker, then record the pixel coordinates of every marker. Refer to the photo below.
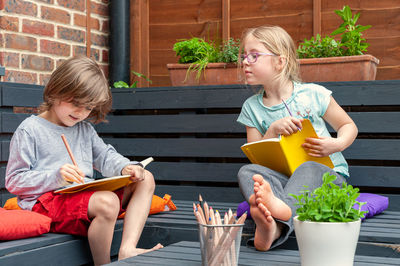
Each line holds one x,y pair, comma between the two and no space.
79,80
278,42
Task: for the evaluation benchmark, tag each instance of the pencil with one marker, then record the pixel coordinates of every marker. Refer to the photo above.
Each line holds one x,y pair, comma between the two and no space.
70,152
290,113
206,211
225,243
201,201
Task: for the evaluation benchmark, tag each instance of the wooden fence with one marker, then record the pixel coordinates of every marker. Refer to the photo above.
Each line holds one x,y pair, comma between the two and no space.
156,25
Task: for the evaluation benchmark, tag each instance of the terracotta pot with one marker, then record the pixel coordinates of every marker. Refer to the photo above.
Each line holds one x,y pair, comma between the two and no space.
344,68
215,74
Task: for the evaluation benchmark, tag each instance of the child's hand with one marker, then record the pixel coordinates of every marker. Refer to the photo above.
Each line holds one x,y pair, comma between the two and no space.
72,173
286,126
135,171
321,147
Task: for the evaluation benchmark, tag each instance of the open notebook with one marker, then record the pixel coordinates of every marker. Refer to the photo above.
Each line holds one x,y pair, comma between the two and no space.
108,183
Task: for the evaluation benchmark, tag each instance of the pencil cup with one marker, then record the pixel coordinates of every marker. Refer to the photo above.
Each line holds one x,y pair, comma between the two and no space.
220,244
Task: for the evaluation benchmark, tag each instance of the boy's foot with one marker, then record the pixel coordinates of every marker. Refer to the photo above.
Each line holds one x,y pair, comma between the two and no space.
263,194
267,230
138,251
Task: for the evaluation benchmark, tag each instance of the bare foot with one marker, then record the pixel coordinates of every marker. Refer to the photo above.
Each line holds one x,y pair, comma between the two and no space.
263,193
137,251
267,230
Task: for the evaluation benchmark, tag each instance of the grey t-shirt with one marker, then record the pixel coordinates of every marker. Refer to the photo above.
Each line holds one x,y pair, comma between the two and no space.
37,153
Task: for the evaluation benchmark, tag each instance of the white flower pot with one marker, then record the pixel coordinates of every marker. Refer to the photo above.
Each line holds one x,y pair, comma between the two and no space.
326,243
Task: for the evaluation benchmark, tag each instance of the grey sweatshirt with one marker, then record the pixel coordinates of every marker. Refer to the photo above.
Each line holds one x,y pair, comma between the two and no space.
37,153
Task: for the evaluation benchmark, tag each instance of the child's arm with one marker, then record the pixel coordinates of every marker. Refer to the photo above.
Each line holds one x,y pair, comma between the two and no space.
345,127
21,179
285,126
106,159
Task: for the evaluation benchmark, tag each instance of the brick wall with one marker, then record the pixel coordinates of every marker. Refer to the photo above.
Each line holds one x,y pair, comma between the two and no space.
36,35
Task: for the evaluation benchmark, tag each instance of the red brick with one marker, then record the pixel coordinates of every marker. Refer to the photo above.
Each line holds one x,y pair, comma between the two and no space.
34,62
19,42
100,9
81,50
76,4
78,50
9,23
2,4
99,40
44,78
25,110
55,14
20,7
104,57
1,39
80,20
57,48
10,59
20,77
38,28
70,34
105,27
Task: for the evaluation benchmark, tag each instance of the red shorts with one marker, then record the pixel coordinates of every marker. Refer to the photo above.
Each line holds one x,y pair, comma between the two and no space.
69,212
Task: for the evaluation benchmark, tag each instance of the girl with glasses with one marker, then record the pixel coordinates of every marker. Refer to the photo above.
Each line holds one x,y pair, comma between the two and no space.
269,58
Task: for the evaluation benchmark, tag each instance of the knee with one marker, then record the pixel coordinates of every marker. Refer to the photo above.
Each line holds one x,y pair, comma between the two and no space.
245,172
107,205
148,182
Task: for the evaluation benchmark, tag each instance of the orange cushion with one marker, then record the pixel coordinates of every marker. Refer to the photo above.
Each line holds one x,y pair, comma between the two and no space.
16,224
158,205
12,204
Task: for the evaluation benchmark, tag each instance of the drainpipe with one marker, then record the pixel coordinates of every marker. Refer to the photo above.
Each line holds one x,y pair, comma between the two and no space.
119,41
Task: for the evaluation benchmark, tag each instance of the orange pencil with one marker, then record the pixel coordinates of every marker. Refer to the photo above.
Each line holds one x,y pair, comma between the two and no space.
69,150
70,153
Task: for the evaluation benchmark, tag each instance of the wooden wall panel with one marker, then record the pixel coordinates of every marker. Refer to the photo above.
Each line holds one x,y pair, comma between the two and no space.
171,20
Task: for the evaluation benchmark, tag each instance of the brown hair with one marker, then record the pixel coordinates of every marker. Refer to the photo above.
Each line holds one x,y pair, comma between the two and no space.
79,80
278,42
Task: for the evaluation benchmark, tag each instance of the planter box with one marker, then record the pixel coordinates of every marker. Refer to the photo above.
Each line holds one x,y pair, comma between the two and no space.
215,74
344,68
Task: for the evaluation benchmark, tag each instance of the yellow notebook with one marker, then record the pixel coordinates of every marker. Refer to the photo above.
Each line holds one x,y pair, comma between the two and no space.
284,154
109,183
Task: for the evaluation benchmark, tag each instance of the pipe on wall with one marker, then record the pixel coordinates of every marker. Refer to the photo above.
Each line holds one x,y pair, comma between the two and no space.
119,41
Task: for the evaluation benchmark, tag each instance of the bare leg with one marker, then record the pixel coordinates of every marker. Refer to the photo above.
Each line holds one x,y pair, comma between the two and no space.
263,194
267,229
137,198
103,208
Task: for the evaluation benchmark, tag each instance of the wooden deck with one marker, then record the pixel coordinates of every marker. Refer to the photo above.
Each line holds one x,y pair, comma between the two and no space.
187,253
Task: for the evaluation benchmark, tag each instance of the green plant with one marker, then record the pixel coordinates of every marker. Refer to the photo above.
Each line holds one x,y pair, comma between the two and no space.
351,41
123,84
329,203
199,53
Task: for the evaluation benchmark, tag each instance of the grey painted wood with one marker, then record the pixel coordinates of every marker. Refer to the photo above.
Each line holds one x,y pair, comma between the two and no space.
189,253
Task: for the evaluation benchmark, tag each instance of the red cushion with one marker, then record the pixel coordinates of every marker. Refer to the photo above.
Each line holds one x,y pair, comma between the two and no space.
16,224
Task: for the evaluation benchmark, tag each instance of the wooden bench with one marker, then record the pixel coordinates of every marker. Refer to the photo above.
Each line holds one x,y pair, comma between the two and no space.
193,135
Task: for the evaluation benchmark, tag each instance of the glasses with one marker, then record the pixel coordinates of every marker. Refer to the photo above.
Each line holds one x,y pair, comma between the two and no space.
252,57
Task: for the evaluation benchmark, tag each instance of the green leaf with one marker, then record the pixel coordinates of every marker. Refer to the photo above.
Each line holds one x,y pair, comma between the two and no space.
120,84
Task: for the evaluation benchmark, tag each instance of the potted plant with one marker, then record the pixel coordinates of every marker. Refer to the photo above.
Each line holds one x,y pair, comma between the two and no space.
205,63
123,84
327,59
327,226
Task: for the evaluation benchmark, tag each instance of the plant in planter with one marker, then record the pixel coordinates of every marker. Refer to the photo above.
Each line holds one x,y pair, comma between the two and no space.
327,226
200,61
348,53
123,84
